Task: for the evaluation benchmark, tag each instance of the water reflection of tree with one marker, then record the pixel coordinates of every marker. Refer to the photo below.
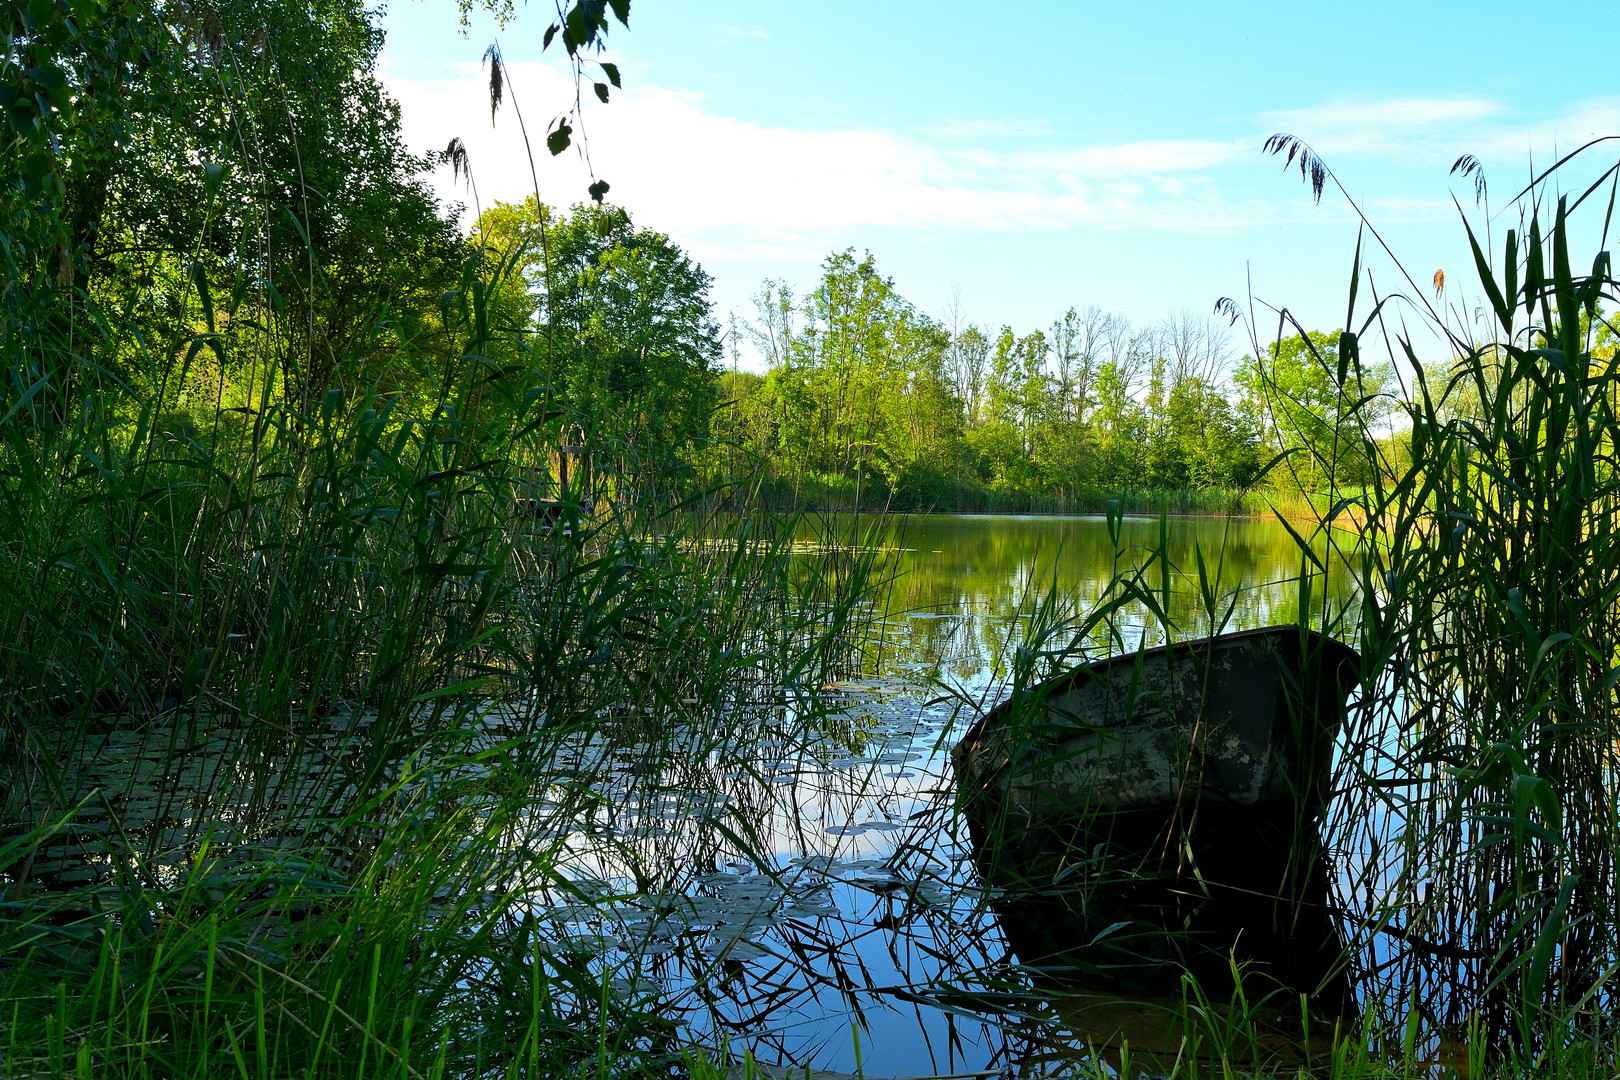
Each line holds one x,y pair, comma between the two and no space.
980,573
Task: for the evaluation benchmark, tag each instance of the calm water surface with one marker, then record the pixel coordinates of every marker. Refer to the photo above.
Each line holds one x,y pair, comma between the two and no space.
797,885
961,584
867,940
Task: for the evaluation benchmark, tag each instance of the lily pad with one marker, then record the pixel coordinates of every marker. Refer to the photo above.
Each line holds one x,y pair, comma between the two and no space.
735,949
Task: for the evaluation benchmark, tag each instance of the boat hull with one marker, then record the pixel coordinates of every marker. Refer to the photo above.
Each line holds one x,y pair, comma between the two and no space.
1157,813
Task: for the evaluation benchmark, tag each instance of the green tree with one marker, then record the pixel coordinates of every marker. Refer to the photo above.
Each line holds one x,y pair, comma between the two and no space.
637,343
1121,425
1306,412
966,355
216,161
861,386
1212,444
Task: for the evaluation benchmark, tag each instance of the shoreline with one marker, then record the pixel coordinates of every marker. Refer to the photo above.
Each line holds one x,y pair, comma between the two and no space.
1259,503
1295,513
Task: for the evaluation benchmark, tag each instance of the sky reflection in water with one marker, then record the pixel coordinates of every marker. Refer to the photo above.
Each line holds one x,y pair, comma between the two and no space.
870,935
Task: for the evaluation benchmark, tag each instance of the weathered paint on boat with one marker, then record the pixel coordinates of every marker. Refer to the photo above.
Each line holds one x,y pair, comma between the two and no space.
1155,813
1245,719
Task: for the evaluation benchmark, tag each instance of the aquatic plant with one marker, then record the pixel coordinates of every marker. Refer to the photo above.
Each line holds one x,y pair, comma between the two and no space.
314,664
1477,788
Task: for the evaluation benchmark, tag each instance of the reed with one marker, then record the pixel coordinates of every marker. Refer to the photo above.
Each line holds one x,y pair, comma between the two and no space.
1475,817
291,692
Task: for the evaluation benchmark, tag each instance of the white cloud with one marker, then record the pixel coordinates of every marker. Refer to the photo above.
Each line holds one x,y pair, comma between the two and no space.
1157,157
1543,141
734,189
981,129
744,189
1437,131
1398,130
1397,209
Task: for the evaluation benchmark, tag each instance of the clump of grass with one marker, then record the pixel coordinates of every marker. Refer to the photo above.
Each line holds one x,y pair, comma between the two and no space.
288,684
1476,811
303,719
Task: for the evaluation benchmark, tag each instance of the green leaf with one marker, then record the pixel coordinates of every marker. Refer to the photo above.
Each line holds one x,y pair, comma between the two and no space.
1510,271
24,398
1516,608
199,278
239,289
1569,307
551,32
1534,277
1531,791
601,92
1261,475
1553,640
1303,545
598,189
1355,282
463,687
214,174
580,25
557,141
1502,307
621,11
1541,957
612,73
1592,289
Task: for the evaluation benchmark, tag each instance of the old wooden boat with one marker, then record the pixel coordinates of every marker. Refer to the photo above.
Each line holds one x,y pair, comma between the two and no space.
1243,718
1157,811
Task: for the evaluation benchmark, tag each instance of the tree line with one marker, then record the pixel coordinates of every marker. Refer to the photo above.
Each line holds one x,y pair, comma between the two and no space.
192,185
867,399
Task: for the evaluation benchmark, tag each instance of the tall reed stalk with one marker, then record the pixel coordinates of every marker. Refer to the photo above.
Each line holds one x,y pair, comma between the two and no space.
1476,807
292,691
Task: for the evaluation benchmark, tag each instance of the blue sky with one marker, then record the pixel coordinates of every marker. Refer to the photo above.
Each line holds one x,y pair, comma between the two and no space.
1035,157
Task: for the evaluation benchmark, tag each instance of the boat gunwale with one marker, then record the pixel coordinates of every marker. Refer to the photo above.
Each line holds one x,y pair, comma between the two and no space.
966,746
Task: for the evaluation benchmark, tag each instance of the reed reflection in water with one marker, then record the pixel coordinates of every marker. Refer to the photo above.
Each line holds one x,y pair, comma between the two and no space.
799,885
960,584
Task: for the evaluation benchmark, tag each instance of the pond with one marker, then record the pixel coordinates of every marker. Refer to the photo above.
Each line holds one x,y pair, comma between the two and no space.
960,585
852,933
795,884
